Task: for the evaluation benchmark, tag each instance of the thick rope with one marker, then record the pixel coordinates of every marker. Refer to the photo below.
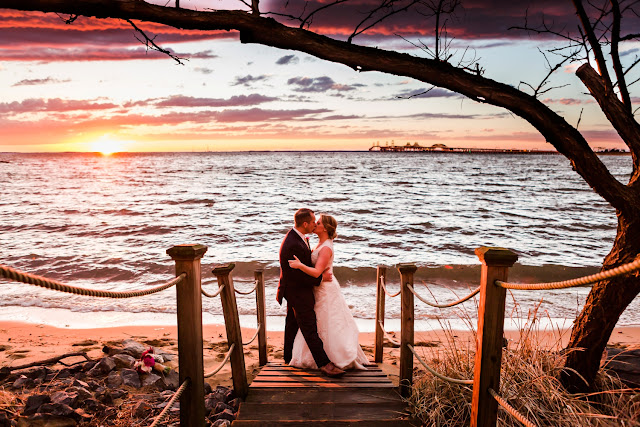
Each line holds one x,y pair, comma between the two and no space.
213,295
384,288
249,292
442,377
451,304
166,409
510,409
387,334
254,337
587,280
32,279
226,358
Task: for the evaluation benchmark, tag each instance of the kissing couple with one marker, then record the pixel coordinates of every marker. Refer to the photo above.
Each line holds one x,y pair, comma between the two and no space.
319,329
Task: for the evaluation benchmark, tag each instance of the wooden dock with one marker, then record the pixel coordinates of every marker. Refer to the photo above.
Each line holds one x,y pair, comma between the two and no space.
288,396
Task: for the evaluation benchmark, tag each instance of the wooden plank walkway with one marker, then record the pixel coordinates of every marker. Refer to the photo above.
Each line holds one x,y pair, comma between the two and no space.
284,395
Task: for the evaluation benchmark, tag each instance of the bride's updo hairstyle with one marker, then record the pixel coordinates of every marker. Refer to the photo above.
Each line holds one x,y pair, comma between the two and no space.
330,224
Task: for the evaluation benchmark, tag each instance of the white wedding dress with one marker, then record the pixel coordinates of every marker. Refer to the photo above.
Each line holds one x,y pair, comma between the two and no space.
336,327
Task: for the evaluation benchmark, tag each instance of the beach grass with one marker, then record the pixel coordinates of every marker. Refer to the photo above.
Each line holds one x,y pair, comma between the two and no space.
529,382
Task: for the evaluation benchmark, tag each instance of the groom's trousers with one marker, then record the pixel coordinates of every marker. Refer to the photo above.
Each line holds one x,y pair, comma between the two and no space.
301,315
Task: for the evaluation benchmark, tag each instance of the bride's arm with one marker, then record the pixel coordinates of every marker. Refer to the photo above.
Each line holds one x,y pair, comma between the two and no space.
321,265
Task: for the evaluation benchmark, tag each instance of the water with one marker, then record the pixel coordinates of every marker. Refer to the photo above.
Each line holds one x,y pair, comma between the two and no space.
106,222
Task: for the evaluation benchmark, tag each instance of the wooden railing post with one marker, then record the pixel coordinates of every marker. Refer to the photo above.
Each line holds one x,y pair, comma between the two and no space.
190,360
495,266
234,333
406,327
381,274
262,318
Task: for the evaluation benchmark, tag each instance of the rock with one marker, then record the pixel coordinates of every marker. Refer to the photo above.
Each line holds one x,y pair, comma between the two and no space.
87,366
221,423
92,405
123,361
81,392
117,394
23,382
207,387
142,409
103,367
114,379
130,378
134,348
80,383
56,409
34,402
234,404
220,407
64,373
65,398
81,415
211,400
105,398
46,420
4,374
172,381
80,375
224,415
153,380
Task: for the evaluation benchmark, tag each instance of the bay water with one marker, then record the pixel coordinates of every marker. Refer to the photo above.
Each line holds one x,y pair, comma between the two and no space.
105,222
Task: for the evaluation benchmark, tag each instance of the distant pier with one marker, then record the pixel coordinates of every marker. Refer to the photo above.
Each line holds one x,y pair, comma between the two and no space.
441,148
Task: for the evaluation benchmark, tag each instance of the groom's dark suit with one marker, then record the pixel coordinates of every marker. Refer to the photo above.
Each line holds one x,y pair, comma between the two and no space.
297,288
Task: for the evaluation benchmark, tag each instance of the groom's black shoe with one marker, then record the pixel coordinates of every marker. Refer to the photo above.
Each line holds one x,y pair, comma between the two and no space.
331,370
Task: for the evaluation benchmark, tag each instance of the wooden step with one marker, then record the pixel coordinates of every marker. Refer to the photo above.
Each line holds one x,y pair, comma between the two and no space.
345,423
327,411
311,395
332,423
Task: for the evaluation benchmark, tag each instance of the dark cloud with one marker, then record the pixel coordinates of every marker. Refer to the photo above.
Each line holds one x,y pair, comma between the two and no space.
260,115
35,82
319,84
630,51
90,54
424,92
288,59
567,101
33,105
234,101
203,70
249,79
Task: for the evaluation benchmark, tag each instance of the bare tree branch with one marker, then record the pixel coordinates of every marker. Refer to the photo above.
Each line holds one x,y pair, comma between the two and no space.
593,42
310,15
151,44
386,4
615,55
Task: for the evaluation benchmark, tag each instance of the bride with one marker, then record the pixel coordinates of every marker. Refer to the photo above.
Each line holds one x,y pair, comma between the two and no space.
336,327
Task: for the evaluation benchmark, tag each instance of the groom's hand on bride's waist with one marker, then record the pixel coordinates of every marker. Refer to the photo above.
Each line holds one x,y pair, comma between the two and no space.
327,277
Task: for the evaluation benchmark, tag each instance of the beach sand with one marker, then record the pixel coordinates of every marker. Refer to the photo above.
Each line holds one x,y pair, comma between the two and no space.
23,343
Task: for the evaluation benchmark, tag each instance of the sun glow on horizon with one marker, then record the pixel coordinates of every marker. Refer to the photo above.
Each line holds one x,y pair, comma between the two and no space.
107,145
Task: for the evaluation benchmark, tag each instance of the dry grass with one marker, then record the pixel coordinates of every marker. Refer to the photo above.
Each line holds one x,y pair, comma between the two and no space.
529,383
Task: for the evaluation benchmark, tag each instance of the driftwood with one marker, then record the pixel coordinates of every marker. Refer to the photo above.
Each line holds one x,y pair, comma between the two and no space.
50,361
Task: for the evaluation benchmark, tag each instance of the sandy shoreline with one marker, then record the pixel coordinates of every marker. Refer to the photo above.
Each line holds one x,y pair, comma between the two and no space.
22,343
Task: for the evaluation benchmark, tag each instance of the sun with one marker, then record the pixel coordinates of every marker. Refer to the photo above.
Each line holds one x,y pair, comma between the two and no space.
106,145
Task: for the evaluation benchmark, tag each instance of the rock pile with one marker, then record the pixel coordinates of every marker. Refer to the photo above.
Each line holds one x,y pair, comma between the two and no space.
102,392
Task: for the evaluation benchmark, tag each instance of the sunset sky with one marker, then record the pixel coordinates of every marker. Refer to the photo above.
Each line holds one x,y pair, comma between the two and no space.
91,85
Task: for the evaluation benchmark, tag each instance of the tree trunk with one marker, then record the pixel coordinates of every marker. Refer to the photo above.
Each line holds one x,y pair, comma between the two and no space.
606,302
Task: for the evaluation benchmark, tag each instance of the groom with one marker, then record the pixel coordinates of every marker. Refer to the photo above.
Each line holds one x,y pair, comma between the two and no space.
297,288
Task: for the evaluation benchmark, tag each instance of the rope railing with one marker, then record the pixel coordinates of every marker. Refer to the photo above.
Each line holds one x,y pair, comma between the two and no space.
213,295
43,282
255,336
248,292
451,304
173,399
388,335
384,288
224,361
510,409
442,377
583,281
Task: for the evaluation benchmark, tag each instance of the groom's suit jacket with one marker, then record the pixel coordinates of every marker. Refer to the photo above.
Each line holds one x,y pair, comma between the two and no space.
295,282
